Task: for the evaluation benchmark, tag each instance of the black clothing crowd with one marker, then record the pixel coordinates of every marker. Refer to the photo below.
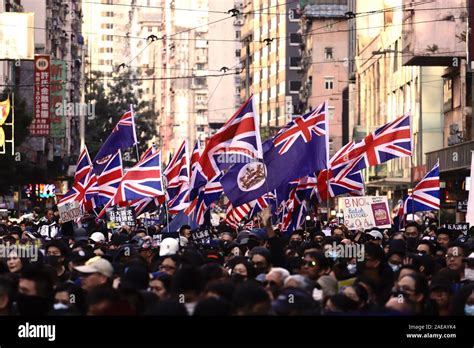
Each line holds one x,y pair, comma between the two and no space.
50,268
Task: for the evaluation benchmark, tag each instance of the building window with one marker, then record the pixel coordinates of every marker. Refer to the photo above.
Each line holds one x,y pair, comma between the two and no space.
329,83
107,2
107,37
237,34
105,50
200,128
295,62
295,39
328,53
294,15
200,66
107,14
295,86
107,26
200,81
237,53
331,112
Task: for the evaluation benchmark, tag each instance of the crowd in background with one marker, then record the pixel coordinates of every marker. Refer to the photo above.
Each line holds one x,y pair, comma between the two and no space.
92,270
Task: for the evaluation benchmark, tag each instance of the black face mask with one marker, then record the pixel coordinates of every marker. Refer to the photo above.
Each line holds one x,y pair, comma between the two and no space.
412,243
295,244
252,244
33,305
237,278
260,269
52,260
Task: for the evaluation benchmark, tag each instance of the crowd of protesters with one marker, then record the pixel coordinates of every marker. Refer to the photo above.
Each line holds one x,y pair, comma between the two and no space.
91,270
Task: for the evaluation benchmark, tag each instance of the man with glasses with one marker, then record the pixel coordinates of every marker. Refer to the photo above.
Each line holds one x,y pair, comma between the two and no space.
455,258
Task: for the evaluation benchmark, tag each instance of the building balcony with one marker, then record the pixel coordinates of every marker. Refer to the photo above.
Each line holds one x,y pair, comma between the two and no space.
324,8
434,38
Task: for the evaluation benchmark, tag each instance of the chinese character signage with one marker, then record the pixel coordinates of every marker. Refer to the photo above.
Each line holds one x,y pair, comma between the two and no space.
58,97
121,216
41,103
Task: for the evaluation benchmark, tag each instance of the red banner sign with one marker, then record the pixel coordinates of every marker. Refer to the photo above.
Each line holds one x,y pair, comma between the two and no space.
41,118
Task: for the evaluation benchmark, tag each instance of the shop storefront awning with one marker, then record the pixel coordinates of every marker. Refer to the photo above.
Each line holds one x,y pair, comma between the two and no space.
390,182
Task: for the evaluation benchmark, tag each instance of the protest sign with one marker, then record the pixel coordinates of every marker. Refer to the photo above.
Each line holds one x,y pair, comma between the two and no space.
119,216
69,211
365,212
458,228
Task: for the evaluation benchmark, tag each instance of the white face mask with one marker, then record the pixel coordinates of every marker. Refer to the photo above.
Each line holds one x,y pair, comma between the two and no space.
469,273
352,268
60,306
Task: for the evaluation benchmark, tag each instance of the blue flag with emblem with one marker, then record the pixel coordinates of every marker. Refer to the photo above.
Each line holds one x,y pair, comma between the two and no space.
299,149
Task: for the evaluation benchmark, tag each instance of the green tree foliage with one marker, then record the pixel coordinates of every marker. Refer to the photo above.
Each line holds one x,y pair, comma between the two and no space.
112,99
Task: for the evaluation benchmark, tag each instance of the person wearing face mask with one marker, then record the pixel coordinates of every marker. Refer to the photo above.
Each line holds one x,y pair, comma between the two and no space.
376,268
463,303
240,269
412,236
68,298
260,258
296,238
396,251
35,291
414,288
55,251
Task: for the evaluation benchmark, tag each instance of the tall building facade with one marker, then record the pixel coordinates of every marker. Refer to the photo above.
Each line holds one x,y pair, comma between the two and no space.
324,43
396,72
200,89
225,49
271,61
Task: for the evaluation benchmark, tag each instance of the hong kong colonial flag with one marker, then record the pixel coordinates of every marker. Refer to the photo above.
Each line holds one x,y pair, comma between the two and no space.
299,149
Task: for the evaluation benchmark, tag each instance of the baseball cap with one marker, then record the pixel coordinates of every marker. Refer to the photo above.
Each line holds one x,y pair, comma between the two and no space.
259,233
98,237
80,234
97,265
169,246
242,237
376,234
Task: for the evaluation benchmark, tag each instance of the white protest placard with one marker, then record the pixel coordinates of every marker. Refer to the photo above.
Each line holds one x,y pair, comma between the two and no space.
69,211
365,212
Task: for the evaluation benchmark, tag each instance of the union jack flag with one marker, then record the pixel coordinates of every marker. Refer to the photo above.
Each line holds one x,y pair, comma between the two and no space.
195,183
82,179
392,140
238,137
425,195
207,195
142,180
352,184
151,150
304,127
108,181
122,137
177,176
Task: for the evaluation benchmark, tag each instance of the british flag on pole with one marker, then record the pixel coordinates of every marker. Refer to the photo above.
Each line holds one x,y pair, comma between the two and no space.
392,140
82,180
238,141
109,180
122,137
425,195
177,176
